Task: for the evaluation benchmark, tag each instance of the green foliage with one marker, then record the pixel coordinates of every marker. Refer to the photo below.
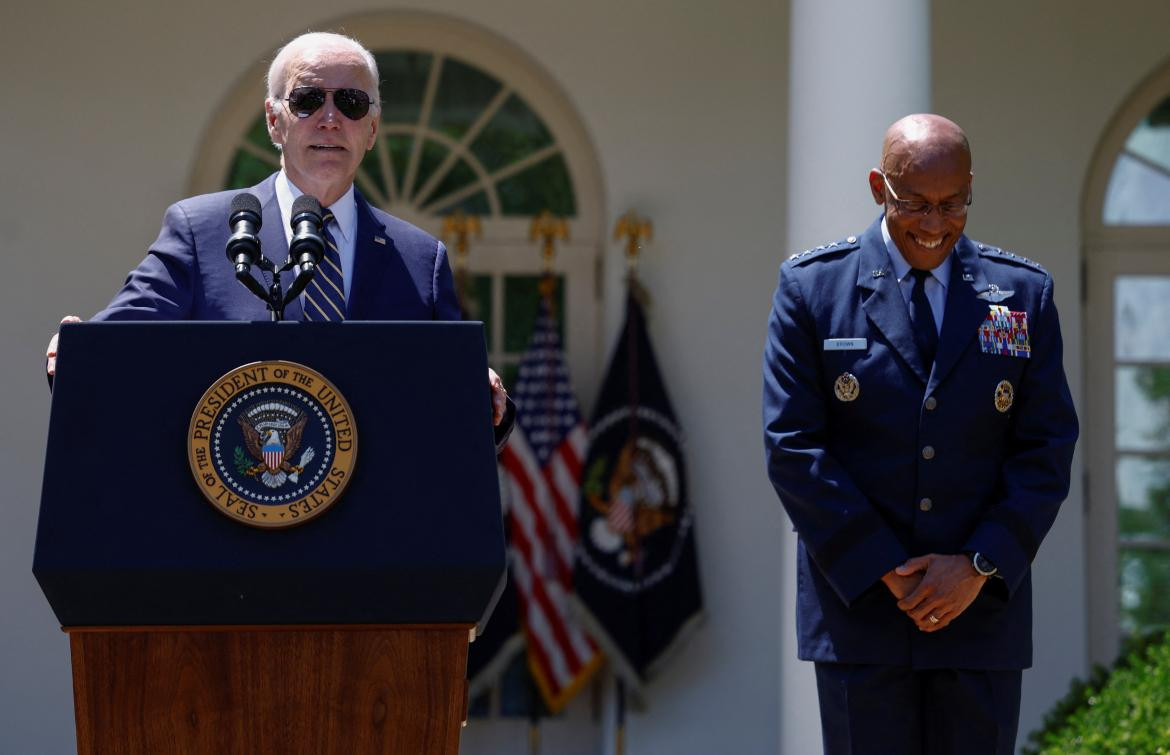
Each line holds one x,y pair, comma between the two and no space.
243,463
1122,711
595,479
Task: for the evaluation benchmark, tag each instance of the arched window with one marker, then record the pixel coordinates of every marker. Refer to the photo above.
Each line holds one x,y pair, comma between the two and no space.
1127,231
468,123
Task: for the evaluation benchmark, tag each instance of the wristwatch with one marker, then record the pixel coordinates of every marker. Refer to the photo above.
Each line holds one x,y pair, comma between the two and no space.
983,565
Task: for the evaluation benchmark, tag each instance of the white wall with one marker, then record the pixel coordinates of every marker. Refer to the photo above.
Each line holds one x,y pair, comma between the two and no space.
107,103
1035,86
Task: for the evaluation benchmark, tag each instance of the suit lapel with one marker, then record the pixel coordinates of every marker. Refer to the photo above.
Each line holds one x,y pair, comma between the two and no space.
883,302
964,310
369,262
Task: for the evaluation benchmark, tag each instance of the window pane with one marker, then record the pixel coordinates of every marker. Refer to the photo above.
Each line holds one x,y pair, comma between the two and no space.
1150,141
1138,193
463,94
513,132
432,154
1142,400
1143,496
544,186
521,296
459,176
372,169
1145,585
404,80
248,170
400,146
259,136
1141,306
1139,187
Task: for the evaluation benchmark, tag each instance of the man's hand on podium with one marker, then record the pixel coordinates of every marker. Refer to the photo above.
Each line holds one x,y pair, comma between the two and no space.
499,395
51,351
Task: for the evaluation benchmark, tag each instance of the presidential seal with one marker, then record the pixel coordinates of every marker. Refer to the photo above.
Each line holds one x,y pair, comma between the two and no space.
1004,396
636,523
272,444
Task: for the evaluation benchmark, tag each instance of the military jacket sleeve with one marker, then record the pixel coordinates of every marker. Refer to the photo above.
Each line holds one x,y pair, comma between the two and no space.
846,536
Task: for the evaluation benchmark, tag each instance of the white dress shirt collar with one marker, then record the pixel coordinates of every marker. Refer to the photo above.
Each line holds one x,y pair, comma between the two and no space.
344,209
942,273
344,230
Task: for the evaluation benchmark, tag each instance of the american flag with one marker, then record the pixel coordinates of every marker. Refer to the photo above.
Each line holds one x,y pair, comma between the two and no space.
542,466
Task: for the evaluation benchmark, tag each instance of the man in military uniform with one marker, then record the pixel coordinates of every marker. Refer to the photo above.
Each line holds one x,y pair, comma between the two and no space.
919,431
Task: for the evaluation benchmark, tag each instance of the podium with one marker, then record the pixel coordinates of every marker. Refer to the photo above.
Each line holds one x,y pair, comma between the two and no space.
192,632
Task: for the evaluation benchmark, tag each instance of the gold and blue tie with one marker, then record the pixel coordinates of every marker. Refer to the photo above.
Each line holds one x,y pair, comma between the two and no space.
325,294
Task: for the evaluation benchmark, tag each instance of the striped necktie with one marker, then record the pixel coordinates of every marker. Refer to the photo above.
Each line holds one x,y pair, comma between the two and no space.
325,294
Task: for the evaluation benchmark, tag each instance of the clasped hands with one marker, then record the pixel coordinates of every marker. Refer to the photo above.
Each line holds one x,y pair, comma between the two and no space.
942,586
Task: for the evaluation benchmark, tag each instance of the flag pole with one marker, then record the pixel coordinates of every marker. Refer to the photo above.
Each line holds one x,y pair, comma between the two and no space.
620,730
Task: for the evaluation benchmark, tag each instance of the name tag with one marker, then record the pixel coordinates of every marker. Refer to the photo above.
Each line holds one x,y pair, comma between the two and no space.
845,344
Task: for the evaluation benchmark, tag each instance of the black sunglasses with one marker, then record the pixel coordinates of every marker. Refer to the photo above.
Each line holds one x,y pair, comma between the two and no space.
304,101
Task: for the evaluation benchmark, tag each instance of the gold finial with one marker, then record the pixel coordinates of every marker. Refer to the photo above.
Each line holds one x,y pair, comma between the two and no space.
549,229
635,230
460,226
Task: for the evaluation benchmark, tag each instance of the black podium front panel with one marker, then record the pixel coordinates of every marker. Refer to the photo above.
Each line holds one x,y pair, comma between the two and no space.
126,538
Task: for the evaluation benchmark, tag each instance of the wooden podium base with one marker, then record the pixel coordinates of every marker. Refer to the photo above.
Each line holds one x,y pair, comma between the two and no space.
267,689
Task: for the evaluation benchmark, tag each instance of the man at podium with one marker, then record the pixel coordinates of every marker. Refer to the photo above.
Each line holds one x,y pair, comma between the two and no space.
322,110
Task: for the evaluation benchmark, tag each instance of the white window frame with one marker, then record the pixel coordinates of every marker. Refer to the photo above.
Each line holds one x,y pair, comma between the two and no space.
1110,251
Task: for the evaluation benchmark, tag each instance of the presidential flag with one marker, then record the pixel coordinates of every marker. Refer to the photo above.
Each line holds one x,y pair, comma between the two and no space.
542,466
636,573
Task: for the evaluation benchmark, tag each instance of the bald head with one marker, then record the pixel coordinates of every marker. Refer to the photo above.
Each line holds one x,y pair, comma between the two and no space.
923,139
924,185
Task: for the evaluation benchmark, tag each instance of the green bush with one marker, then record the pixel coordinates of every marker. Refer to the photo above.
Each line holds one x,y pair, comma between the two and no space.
1123,712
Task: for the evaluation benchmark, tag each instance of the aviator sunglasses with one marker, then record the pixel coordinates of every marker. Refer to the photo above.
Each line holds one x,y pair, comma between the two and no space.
352,103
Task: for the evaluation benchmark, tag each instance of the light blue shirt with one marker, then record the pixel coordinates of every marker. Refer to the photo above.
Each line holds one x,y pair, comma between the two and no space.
936,284
343,229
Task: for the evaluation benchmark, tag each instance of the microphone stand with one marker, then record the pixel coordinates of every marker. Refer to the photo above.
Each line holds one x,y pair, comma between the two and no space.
274,297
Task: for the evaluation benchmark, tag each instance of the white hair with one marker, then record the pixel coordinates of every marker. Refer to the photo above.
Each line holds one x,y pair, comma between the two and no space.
307,43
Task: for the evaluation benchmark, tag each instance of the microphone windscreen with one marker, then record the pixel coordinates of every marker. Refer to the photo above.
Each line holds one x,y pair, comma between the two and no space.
307,203
245,202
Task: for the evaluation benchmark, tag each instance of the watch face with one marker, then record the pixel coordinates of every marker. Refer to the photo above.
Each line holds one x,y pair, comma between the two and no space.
983,566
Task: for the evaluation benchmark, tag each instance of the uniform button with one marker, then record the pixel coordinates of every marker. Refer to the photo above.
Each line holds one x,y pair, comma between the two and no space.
928,452
925,504
931,402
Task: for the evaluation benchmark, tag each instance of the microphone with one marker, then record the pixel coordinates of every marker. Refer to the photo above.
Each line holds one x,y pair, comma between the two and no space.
243,248
306,247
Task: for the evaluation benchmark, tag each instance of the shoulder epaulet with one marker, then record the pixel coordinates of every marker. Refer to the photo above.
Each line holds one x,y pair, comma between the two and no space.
844,245
987,250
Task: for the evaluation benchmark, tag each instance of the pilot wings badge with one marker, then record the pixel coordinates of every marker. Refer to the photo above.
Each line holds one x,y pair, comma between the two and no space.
995,294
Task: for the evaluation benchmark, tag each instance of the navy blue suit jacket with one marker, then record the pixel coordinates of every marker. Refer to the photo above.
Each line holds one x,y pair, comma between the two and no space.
852,474
400,272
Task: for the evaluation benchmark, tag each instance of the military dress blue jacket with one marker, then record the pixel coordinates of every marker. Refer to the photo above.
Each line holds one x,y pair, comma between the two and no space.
877,460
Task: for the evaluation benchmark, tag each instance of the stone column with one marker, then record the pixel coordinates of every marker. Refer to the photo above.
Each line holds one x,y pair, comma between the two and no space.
855,68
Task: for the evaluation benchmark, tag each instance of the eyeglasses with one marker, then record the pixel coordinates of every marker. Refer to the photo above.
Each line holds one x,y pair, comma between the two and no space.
352,103
919,208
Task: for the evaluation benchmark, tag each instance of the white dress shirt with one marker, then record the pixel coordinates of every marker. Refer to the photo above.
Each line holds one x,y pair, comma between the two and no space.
343,229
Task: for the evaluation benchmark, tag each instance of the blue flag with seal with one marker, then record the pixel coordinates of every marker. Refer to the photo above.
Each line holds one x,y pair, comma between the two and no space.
636,574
